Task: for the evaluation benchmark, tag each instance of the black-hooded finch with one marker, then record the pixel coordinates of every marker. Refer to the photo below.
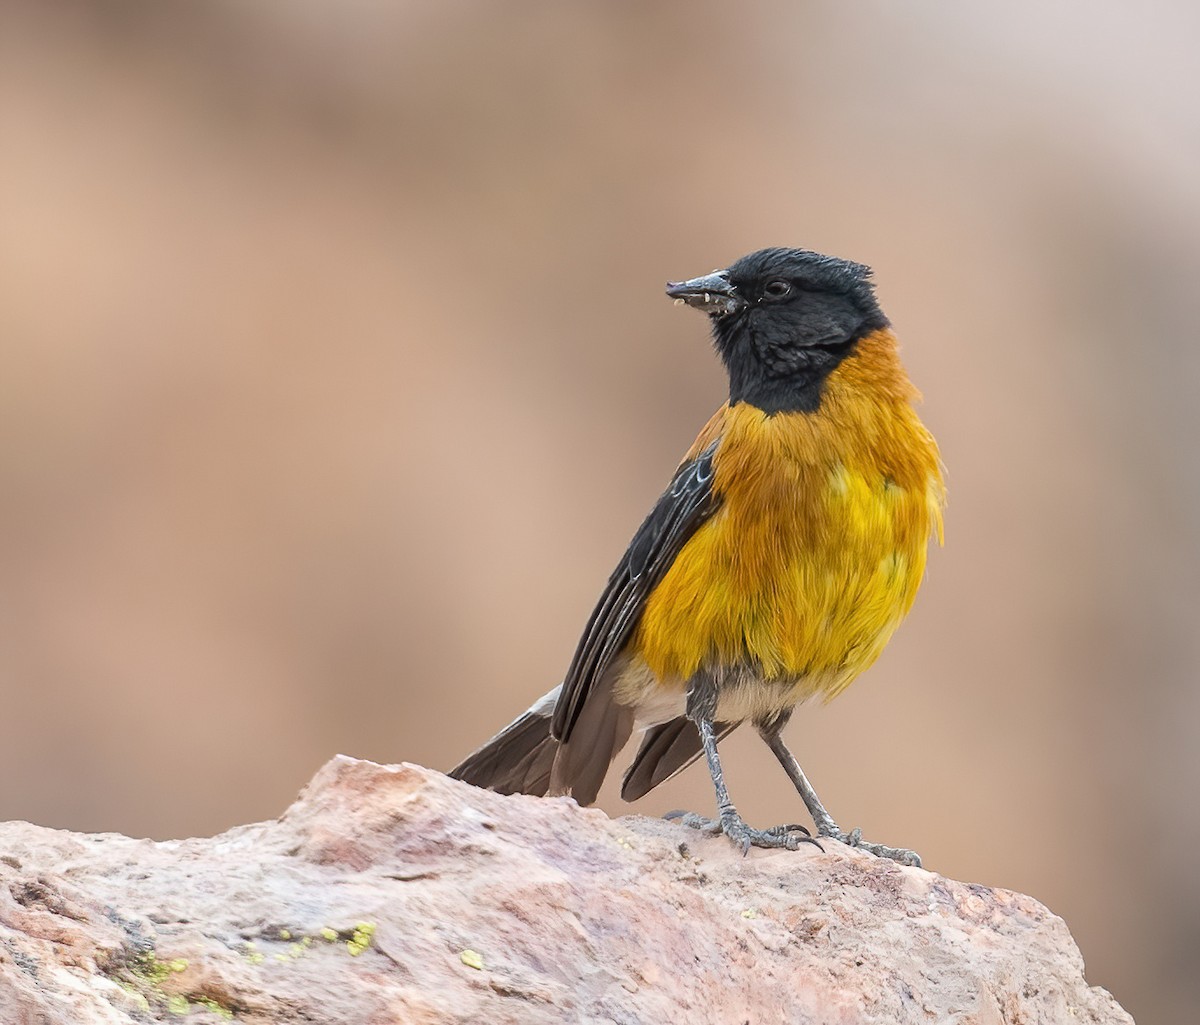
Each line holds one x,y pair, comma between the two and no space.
784,553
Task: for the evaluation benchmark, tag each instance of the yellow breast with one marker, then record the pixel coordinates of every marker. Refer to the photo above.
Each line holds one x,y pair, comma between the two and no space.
818,549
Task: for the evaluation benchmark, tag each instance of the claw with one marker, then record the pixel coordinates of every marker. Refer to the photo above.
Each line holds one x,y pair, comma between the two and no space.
855,839
694,821
791,827
742,835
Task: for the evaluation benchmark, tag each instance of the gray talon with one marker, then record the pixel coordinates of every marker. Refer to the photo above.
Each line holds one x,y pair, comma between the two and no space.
855,839
790,827
743,835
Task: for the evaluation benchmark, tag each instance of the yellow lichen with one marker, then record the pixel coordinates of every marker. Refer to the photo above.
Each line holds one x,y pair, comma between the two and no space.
363,934
472,959
145,975
209,1004
148,968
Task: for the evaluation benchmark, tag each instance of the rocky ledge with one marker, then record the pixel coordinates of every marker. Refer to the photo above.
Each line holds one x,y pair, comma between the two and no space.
391,894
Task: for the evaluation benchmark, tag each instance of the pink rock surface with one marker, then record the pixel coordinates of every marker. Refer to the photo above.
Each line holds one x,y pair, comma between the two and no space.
391,894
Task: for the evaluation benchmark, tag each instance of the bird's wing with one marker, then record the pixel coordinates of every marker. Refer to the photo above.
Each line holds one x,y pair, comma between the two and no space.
667,749
687,503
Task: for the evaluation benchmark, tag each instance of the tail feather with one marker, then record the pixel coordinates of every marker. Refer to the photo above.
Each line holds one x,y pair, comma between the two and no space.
518,759
666,750
582,761
524,758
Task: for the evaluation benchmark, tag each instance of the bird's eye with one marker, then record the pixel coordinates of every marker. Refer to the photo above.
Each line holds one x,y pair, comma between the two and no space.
776,289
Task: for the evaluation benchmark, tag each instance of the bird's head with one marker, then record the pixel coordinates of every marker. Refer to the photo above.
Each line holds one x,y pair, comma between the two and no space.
782,320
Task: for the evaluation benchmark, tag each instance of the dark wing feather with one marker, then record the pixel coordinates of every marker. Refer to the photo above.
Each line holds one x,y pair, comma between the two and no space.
687,503
667,749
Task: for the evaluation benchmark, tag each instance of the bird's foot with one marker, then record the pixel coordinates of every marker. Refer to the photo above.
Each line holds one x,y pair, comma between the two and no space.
789,836
855,839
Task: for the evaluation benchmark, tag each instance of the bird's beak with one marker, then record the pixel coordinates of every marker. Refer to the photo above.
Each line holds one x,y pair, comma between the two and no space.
714,293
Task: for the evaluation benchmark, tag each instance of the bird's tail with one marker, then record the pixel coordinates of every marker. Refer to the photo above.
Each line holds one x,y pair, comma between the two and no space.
518,759
667,749
525,757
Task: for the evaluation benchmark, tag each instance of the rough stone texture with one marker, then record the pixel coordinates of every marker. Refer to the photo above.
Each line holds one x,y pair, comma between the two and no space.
391,894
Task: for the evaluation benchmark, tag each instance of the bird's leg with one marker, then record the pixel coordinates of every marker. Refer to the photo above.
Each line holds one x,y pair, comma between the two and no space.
826,826
728,820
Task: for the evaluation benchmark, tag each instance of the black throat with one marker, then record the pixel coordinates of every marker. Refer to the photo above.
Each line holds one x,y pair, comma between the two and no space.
784,374
797,391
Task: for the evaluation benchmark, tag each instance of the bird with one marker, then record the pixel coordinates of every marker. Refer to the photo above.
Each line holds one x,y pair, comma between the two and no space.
783,554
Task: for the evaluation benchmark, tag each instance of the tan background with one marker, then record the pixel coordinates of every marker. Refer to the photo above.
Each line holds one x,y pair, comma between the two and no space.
337,374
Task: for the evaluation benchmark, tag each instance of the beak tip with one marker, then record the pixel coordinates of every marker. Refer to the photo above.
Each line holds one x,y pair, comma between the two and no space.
713,294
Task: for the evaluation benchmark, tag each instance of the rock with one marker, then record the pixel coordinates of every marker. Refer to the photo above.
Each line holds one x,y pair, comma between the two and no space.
391,894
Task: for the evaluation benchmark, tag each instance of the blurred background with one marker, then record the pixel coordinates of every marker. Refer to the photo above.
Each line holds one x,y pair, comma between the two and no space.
337,374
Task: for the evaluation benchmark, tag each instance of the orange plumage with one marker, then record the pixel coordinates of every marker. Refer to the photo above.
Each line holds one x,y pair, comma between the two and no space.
818,549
